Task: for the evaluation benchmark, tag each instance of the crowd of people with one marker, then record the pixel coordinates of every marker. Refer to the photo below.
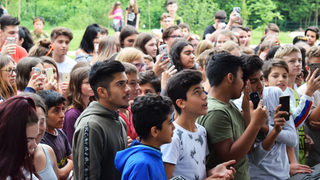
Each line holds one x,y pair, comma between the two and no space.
160,105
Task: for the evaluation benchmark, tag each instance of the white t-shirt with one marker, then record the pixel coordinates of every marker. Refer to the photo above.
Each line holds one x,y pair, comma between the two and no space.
66,66
187,151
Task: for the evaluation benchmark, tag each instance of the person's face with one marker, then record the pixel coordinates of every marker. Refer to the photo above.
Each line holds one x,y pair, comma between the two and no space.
196,102
249,37
133,82
32,132
167,22
55,116
150,64
235,52
278,77
9,77
131,2
217,21
9,31
272,32
184,31
243,36
86,88
172,8
38,26
311,36
166,133
237,84
42,75
187,57
129,41
151,47
96,39
42,124
119,96
47,66
173,36
294,61
137,62
257,83
222,39
147,89
194,43
61,45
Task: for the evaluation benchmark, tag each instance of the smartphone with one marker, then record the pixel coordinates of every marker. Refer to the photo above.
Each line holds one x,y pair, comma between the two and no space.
255,98
49,73
11,40
65,77
164,49
313,67
237,10
36,70
285,102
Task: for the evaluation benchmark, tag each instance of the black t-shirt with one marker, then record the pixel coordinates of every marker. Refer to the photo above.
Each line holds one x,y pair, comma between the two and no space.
209,29
132,17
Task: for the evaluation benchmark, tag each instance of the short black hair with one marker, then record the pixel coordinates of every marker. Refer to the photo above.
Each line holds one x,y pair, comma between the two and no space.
51,98
101,74
8,21
219,66
175,52
150,77
179,84
171,2
37,19
313,29
250,65
148,111
272,52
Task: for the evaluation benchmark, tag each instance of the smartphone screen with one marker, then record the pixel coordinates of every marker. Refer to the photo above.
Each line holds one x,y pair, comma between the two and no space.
313,67
49,73
65,77
285,102
255,98
36,70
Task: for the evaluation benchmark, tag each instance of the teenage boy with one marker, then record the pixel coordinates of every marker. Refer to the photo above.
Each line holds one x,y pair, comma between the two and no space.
230,134
38,32
103,31
166,21
312,126
270,145
292,56
271,28
154,125
187,152
242,33
9,28
170,34
60,41
211,31
185,29
172,7
312,33
54,137
99,132
149,83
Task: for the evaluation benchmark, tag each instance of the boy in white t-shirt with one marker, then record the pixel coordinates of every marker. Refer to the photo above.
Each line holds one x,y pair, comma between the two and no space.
186,154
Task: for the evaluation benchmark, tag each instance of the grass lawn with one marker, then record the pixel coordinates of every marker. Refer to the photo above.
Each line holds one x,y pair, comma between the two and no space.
256,36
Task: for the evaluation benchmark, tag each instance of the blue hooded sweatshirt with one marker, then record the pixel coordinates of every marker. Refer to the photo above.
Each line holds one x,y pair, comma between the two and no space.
140,162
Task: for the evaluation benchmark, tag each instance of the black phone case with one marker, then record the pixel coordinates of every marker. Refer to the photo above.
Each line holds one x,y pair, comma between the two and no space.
313,67
285,102
255,98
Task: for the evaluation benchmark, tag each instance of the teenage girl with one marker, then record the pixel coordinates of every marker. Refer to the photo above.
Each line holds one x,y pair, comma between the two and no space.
133,14
116,14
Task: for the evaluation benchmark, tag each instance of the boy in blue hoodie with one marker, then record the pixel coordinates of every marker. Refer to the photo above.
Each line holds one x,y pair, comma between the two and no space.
151,115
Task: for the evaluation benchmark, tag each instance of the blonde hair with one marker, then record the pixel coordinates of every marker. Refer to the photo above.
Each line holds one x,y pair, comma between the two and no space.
6,90
106,47
285,50
225,32
129,54
247,50
202,46
230,45
313,52
265,45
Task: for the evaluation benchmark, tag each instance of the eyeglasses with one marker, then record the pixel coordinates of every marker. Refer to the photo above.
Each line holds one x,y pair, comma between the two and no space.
167,21
51,48
174,36
193,36
10,71
141,66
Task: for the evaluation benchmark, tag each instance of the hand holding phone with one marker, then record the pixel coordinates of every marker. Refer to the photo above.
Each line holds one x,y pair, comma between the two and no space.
163,49
285,102
255,98
313,67
49,73
36,70
237,10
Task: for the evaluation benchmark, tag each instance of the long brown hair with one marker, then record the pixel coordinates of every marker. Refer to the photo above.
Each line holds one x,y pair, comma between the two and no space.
49,60
6,90
106,47
114,6
74,94
134,9
24,68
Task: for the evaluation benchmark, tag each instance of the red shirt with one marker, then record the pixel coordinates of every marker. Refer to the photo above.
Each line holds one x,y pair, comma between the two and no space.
20,53
130,128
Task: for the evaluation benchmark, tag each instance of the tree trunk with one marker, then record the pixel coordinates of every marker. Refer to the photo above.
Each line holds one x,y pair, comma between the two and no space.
19,9
7,4
149,14
316,18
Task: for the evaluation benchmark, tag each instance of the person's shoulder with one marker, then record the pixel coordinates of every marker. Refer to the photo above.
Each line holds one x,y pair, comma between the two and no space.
70,60
79,51
49,149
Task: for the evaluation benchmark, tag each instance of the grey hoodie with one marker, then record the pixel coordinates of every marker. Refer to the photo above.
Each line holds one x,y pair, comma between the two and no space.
99,134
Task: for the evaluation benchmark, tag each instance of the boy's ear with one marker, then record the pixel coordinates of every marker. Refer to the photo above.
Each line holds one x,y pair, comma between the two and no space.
230,78
102,92
308,68
154,131
181,103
